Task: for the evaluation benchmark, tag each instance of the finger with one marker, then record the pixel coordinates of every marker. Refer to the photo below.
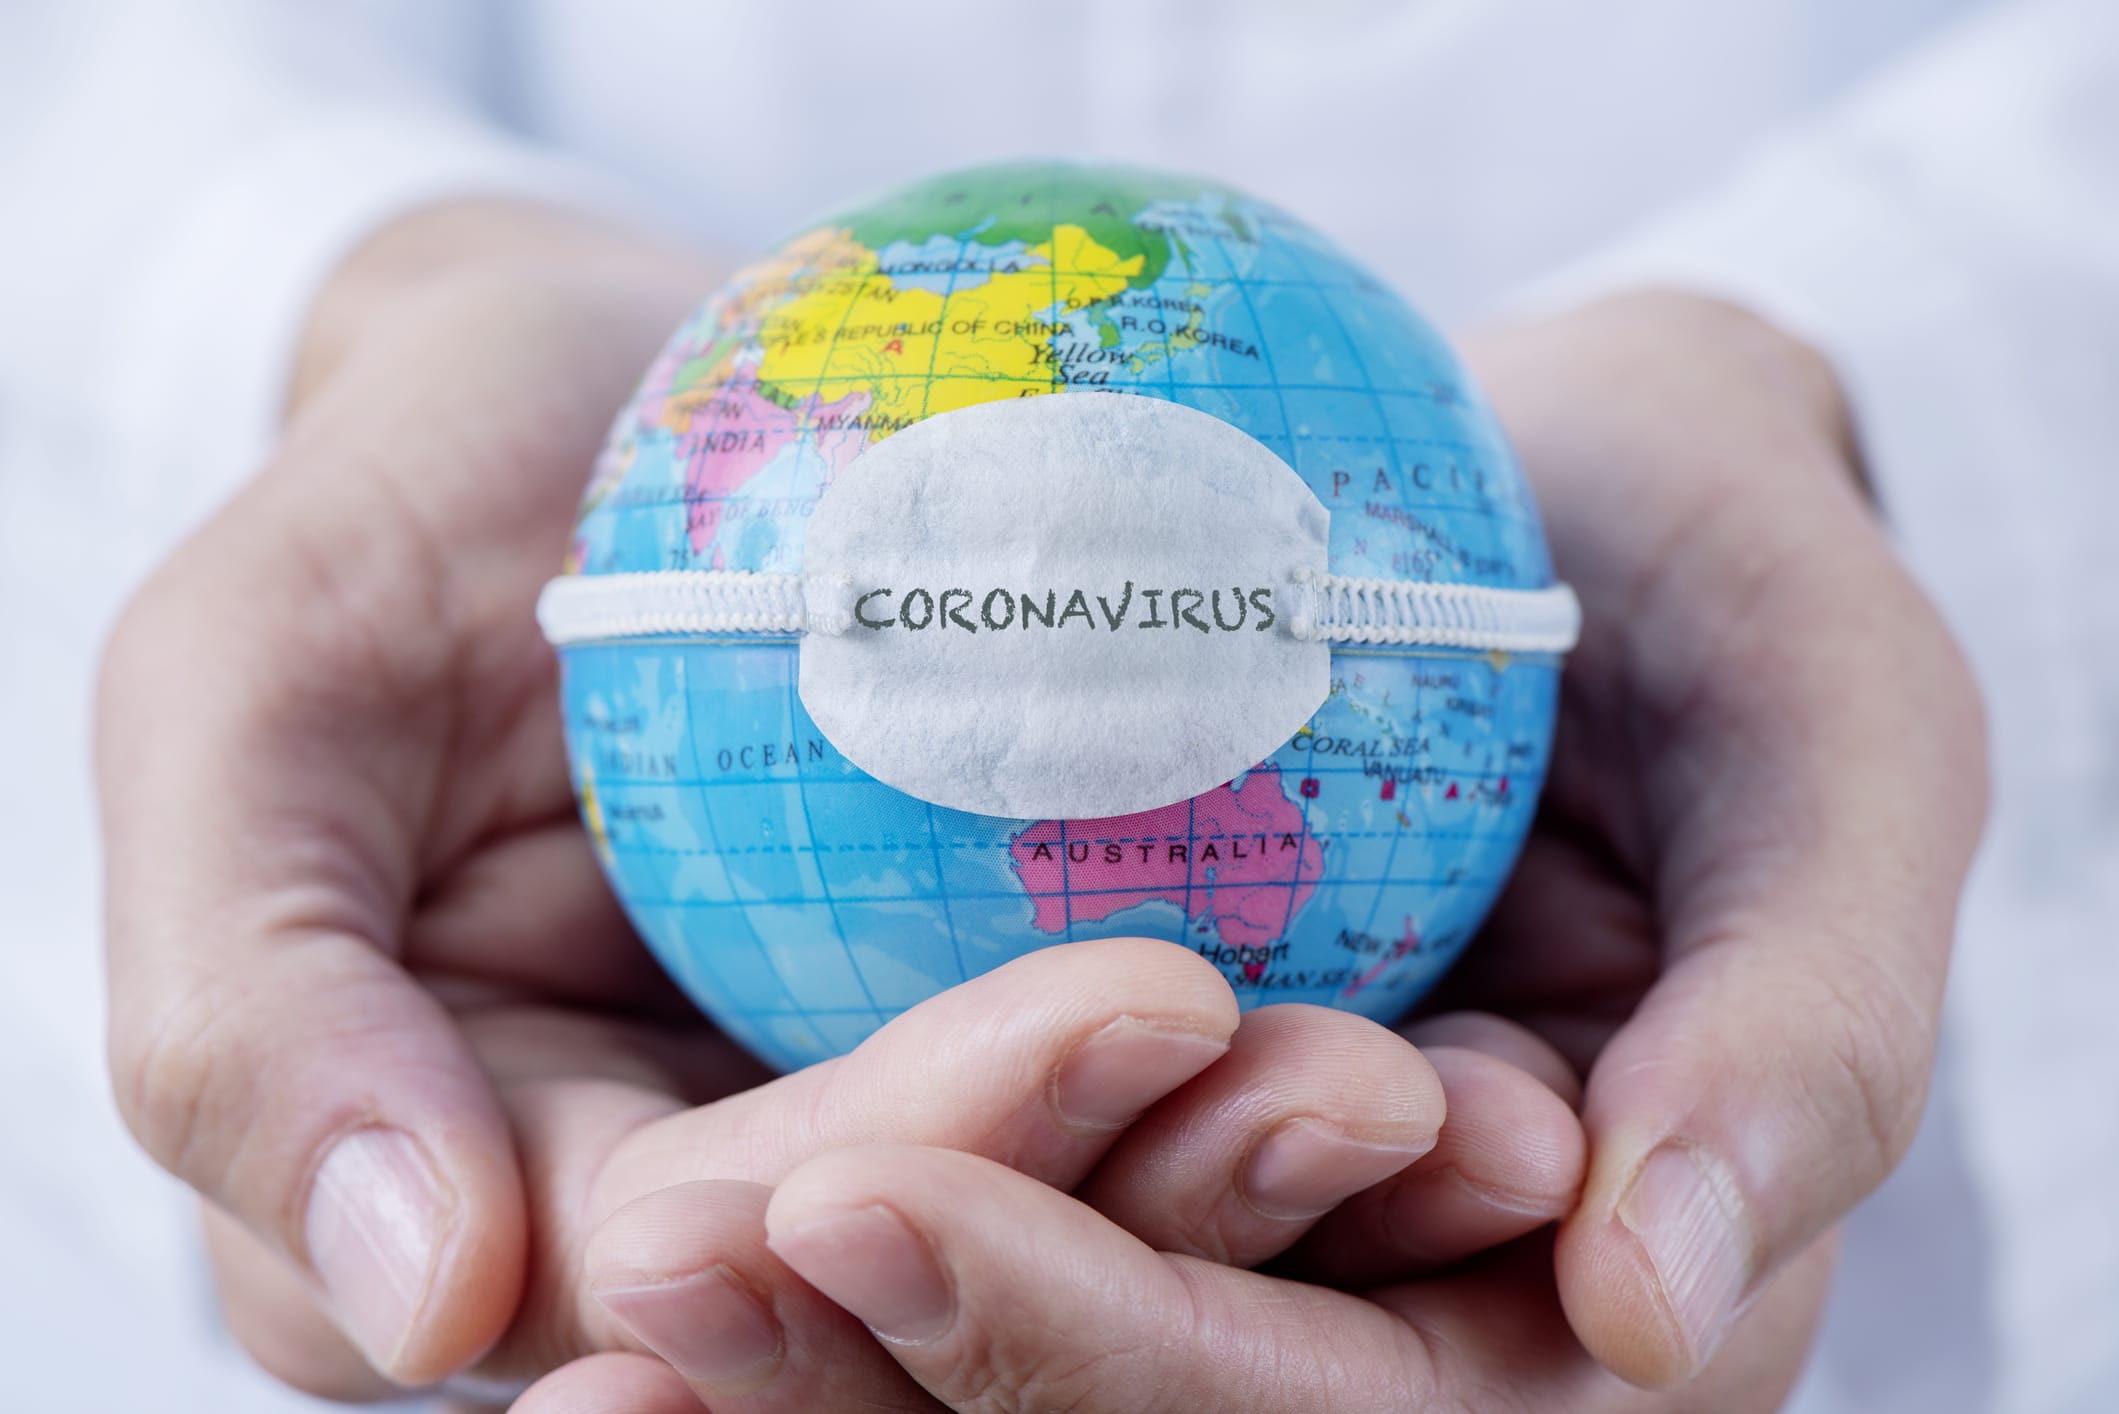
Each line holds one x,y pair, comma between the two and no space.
1039,1064
688,1062
996,1292
1308,1107
533,913
577,1082
273,1313
265,1045
609,1384
1504,1040
687,1274
1509,1159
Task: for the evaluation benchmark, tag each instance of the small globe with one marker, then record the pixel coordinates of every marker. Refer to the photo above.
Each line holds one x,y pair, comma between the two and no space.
803,903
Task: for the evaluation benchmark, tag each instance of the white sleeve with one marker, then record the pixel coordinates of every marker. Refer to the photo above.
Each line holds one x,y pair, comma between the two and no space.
179,180
1950,239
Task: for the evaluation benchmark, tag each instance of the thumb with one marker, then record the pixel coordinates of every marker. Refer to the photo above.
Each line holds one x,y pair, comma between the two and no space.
265,1045
1776,1071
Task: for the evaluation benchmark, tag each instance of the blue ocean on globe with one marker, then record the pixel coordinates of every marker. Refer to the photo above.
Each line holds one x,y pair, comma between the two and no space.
801,902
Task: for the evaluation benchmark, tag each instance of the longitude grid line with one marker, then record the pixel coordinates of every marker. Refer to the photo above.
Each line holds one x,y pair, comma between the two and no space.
1295,876
799,285
1287,424
706,813
1390,451
1066,879
816,860
1265,348
1390,855
1059,381
802,285
1066,894
1405,500
934,832
719,403
1184,925
809,824
1169,353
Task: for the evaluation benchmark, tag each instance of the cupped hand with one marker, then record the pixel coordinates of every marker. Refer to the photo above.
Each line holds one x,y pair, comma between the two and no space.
334,799
1736,910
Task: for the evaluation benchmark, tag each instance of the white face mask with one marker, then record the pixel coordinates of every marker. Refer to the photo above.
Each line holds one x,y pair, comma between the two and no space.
1063,607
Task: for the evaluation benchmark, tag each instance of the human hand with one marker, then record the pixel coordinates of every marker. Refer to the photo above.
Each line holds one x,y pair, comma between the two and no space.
1735,914
1734,917
338,827
370,995
1300,1140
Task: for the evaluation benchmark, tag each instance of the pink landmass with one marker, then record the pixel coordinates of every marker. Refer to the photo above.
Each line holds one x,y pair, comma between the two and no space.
1230,855
726,439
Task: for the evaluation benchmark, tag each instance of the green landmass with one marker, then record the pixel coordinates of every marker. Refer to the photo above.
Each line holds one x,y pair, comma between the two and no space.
1023,201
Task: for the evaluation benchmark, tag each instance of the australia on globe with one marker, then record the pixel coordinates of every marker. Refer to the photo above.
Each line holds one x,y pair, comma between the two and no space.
802,901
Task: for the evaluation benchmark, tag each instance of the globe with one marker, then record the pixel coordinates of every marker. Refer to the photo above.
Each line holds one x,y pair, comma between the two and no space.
803,903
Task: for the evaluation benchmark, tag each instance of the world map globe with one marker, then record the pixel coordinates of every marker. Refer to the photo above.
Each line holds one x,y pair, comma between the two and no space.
801,902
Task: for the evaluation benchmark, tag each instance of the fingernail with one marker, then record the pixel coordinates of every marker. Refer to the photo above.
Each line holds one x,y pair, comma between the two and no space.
1306,1167
1688,1216
875,1266
378,1214
1126,1067
708,1326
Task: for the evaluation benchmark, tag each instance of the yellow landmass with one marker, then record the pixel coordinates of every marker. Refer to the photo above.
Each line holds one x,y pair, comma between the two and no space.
733,322
792,270
592,815
917,353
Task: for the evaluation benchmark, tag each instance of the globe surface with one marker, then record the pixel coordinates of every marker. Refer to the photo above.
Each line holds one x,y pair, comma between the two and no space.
801,902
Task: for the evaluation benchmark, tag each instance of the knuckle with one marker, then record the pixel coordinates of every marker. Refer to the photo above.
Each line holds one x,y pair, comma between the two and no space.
172,1065
1485,1397
1874,1044
1419,1368
1016,1372
1211,1224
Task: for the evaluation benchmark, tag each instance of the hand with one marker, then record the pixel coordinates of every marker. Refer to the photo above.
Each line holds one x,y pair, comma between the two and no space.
371,997
1734,917
1735,914
1295,1142
336,812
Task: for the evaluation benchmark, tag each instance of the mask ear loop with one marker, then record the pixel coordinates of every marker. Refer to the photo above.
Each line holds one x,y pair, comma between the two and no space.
1325,608
1345,609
